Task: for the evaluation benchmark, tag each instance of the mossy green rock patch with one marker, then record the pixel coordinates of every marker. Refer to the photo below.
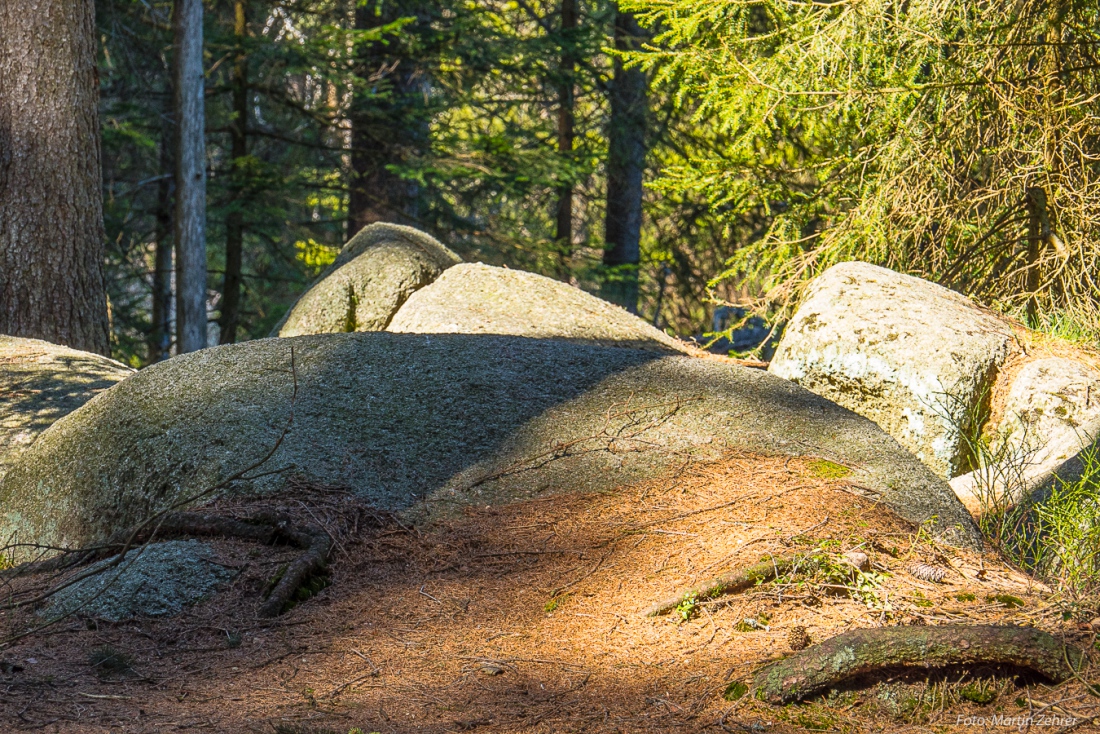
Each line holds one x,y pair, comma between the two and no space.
424,424
481,299
41,382
374,274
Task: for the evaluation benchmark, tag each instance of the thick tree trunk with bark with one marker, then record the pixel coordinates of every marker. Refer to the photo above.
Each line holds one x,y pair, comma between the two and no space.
190,213
563,234
388,123
234,223
625,166
51,211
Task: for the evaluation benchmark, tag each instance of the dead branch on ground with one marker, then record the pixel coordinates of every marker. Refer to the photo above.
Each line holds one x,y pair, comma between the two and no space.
867,650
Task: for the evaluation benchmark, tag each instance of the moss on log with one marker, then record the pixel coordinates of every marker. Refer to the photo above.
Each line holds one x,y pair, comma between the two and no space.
730,583
867,650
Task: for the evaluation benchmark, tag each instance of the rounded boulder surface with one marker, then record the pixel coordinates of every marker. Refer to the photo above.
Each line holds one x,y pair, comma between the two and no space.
374,274
481,299
913,356
1050,416
41,382
157,580
425,424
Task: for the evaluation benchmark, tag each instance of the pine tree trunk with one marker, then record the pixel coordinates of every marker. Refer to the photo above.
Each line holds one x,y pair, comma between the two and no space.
234,222
51,211
190,212
160,338
388,126
625,166
563,234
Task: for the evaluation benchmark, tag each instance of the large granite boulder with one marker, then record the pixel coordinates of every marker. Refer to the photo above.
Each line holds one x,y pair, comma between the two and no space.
916,358
374,274
41,382
1051,413
423,424
482,299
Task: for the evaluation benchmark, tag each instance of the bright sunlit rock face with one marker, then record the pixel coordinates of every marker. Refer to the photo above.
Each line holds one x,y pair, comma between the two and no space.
916,358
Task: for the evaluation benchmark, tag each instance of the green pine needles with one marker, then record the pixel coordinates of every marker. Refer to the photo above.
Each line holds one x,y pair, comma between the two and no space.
954,140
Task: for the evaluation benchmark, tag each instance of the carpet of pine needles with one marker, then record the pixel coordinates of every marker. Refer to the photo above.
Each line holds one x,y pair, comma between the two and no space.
526,618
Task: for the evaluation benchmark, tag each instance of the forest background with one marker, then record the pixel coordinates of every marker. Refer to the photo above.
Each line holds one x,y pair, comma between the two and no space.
956,141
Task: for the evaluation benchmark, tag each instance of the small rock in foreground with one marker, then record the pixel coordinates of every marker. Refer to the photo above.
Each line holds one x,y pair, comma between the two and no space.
157,581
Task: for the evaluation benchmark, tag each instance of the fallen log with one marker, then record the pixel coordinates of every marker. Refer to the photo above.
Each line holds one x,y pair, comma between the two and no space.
730,583
866,650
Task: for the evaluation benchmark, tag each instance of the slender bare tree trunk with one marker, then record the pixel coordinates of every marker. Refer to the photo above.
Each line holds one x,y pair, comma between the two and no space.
563,234
51,210
625,166
234,221
190,212
160,338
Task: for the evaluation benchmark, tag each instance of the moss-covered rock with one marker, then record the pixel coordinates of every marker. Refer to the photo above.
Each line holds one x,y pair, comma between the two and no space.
39,383
481,299
423,424
375,272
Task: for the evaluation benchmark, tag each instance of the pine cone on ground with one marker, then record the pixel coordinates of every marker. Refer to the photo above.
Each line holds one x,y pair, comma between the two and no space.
924,572
798,638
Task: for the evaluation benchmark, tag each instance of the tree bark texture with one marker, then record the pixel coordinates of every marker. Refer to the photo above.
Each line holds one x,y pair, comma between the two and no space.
160,337
625,166
51,210
863,651
388,122
234,222
563,216
190,211
1038,231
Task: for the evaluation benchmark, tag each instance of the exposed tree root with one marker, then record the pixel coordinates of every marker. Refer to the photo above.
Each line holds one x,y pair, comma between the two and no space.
265,527
867,650
730,583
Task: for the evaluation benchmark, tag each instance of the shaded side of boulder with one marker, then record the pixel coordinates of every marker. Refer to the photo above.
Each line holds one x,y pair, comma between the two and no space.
158,580
482,299
41,382
1051,414
918,359
374,274
422,424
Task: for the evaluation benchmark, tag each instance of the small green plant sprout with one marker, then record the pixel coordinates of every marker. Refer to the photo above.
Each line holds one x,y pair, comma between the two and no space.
837,575
965,596
981,692
1010,601
554,603
920,601
825,469
735,690
752,624
687,609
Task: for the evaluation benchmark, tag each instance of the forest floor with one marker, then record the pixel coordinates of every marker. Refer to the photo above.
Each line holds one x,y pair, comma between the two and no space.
527,618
